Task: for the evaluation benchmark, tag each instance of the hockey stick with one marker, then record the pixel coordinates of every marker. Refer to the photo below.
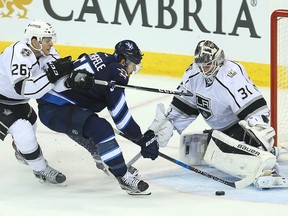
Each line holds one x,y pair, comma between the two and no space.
134,159
238,184
164,91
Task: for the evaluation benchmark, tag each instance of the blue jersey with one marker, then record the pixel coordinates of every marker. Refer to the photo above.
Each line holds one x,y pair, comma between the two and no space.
104,67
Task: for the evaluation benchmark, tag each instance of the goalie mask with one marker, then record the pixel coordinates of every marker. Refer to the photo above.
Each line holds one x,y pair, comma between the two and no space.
209,58
129,51
39,29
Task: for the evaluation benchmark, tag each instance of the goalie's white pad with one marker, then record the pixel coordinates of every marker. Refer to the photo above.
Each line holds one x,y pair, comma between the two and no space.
161,126
237,158
271,181
193,147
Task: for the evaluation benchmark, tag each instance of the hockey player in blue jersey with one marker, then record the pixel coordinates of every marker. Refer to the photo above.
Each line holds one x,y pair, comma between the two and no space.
73,112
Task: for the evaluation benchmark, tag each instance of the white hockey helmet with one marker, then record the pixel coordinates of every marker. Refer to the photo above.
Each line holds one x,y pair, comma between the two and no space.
209,58
39,29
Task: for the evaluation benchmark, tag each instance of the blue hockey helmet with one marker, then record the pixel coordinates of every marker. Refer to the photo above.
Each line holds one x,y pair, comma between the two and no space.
128,50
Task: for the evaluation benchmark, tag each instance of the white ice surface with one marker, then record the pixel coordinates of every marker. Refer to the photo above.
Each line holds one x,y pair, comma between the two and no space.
175,190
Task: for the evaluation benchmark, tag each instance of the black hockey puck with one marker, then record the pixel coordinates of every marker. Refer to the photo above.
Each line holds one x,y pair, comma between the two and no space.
220,193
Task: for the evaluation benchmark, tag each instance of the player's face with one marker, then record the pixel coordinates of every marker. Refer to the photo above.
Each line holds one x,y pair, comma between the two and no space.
47,43
132,67
207,68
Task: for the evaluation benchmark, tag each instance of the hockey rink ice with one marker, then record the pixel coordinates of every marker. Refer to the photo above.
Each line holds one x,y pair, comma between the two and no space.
88,191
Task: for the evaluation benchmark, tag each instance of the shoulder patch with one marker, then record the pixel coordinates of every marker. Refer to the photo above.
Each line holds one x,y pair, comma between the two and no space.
26,52
123,73
231,73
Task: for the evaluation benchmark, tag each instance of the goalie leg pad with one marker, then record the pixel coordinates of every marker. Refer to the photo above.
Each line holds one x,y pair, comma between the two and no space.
192,148
237,158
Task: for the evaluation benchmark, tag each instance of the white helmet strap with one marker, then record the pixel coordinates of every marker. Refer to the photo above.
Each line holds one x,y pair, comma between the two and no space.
38,49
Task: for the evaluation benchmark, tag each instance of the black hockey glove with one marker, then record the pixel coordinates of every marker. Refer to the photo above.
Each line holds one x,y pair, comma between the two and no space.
149,145
80,79
59,68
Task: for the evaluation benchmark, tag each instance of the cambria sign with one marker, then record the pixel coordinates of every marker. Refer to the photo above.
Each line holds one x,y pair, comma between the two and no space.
242,20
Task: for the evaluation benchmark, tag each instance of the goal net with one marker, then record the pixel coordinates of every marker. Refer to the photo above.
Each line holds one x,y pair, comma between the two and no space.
279,75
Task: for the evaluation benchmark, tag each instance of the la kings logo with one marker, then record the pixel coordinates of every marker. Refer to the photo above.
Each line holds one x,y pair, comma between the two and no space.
25,52
7,112
204,106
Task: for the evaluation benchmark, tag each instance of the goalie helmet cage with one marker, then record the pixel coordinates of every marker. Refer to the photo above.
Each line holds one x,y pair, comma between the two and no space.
279,75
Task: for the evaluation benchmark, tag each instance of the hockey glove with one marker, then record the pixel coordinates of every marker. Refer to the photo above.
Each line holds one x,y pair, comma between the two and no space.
262,134
162,127
80,79
59,68
149,145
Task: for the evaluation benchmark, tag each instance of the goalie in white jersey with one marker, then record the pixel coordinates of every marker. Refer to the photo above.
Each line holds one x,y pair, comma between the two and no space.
232,106
29,69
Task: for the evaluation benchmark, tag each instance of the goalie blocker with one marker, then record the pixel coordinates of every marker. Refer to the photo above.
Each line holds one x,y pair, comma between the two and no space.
228,155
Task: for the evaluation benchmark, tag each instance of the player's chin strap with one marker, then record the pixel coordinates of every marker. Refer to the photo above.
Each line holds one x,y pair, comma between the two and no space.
238,184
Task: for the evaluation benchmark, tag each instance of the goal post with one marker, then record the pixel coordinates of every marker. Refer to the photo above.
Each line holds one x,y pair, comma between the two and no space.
279,75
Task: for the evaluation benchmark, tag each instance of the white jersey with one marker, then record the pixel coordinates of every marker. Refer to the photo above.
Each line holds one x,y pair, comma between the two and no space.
22,75
231,97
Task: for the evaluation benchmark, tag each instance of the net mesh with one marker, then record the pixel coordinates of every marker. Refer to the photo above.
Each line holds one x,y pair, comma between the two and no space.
282,80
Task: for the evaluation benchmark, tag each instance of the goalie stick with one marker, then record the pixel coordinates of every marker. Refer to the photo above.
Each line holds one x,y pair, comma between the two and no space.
237,184
164,91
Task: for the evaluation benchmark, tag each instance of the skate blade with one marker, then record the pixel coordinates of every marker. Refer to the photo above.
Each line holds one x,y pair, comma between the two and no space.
144,193
41,181
101,166
106,172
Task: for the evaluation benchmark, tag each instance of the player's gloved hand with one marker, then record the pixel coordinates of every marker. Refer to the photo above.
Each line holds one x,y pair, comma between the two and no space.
149,145
80,79
59,68
162,127
263,134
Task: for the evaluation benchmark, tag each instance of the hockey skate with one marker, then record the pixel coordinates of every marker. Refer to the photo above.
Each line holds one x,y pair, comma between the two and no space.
20,158
271,181
134,171
100,164
18,155
50,175
132,185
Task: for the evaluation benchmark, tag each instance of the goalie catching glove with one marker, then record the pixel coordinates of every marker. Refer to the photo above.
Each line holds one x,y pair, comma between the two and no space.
262,134
149,145
162,127
80,79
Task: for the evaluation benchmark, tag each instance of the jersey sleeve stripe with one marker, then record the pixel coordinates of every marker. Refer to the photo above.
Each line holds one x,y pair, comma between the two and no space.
257,105
184,107
39,90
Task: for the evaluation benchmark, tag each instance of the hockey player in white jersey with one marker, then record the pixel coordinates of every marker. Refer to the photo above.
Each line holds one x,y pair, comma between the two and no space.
241,142
29,69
